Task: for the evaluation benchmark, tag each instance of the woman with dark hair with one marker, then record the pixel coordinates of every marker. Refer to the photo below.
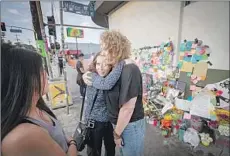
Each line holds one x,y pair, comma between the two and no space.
101,128
28,126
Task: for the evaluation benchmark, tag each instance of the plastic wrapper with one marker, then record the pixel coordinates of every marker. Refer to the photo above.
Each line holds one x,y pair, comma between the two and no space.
191,136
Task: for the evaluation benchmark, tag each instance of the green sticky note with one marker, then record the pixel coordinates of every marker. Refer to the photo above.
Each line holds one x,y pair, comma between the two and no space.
189,74
179,65
204,57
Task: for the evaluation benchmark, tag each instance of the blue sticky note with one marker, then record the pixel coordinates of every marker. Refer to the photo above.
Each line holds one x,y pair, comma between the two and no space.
189,98
198,49
193,60
188,45
198,57
187,59
182,47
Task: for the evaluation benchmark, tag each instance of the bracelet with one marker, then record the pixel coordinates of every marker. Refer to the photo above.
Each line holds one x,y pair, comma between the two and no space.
116,136
72,142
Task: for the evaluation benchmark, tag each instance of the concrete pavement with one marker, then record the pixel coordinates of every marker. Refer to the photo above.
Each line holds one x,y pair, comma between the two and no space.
155,143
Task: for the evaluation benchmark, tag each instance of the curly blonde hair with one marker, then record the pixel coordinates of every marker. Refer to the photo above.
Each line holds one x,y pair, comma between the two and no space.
118,46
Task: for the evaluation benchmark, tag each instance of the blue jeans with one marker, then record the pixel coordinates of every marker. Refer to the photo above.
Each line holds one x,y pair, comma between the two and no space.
133,139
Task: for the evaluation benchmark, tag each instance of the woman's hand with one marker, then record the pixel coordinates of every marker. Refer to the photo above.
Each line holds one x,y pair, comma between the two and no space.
87,78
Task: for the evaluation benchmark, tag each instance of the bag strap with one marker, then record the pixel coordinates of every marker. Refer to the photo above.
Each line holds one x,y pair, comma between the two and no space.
94,100
82,106
83,103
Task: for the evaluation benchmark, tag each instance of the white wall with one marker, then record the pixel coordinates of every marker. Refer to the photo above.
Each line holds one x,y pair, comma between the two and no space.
147,23
209,21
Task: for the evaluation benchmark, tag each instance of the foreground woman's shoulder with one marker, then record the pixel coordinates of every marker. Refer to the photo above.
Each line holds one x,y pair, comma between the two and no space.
23,137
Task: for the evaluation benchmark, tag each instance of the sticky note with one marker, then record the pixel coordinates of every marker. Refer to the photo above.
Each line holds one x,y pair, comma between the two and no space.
188,45
192,87
187,59
204,57
193,77
182,47
200,69
202,78
179,65
189,74
181,57
189,98
187,67
197,57
194,46
193,51
193,60
202,51
198,49
187,116
198,78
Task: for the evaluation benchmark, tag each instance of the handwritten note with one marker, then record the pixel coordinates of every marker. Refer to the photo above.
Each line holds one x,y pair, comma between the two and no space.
201,106
182,104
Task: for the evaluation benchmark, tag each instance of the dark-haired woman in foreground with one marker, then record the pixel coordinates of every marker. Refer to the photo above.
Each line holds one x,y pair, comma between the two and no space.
28,126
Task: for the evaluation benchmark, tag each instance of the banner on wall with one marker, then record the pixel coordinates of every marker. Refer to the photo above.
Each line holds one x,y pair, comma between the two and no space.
73,32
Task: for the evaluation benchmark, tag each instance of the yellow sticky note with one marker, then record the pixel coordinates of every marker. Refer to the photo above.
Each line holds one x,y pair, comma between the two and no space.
201,69
193,51
202,78
187,67
181,54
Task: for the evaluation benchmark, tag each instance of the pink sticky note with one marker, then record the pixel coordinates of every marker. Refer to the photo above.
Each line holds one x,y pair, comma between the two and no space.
193,77
198,78
187,116
194,46
192,87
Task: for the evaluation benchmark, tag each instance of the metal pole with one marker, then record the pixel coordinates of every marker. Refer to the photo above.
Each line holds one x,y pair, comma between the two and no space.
62,28
40,17
67,92
62,48
76,44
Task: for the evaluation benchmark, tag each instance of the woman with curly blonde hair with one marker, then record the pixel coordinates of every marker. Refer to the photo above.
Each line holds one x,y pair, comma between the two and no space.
124,100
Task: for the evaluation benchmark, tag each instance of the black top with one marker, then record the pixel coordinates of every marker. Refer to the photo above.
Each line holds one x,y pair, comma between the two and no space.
60,61
128,86
80,80
78,66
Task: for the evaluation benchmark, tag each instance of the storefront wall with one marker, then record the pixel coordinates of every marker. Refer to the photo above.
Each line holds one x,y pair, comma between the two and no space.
149,23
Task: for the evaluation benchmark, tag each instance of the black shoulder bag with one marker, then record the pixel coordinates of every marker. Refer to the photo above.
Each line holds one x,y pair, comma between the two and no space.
81,135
